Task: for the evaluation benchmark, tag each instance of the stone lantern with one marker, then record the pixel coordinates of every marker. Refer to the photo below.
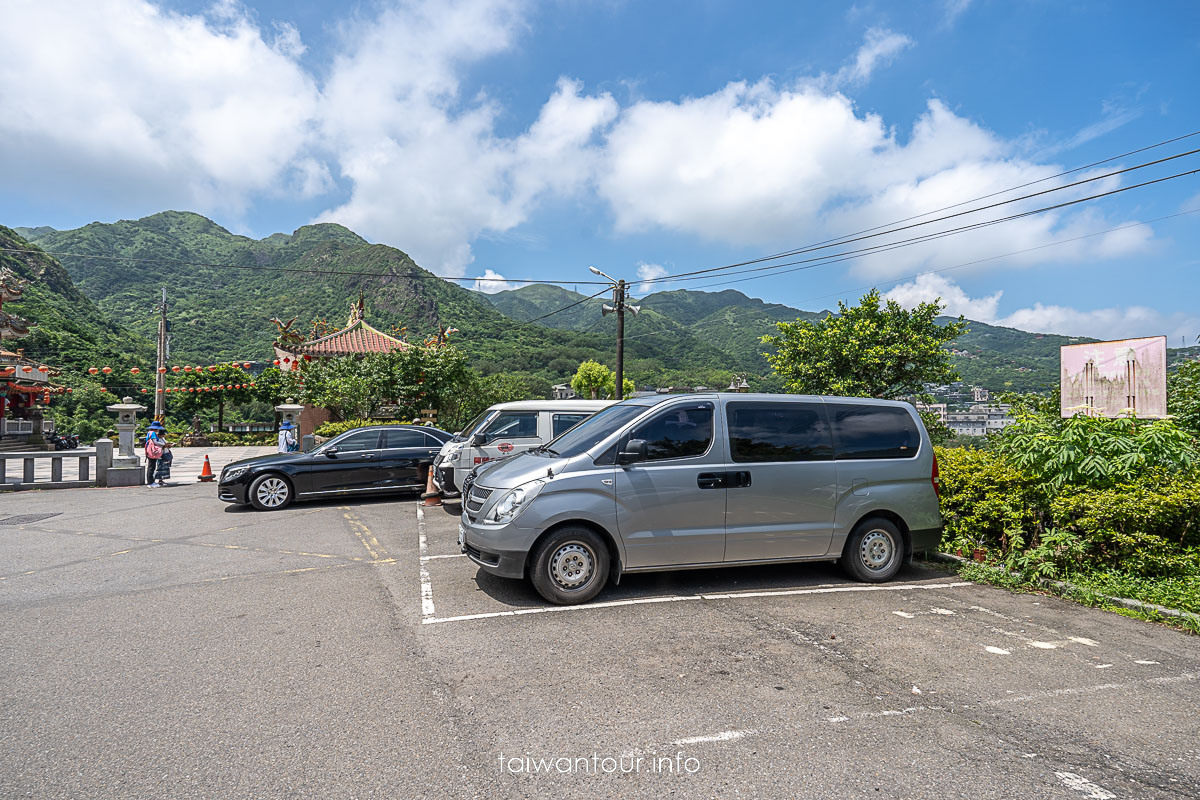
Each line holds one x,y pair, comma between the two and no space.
126,469
291,410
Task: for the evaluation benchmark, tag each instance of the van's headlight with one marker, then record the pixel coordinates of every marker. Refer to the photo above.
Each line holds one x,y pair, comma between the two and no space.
515,501
232,472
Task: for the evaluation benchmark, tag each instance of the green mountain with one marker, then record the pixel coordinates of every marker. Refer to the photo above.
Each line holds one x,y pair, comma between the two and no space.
223,289
69,328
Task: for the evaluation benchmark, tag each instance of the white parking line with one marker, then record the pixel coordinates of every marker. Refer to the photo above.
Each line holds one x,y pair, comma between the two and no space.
427,609
723,736
519,612
1082,784
450,555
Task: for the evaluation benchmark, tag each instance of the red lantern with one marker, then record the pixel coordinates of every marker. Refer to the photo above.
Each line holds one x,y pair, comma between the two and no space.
276,362
103,389
246,365
160,391
106,370
92,370
143,391
27,369
69,390
251,385
174,369
307,357
43,368
134,371
162,370
213,368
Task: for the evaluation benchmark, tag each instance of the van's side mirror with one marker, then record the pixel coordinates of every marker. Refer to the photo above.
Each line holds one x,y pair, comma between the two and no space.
633,450
478,440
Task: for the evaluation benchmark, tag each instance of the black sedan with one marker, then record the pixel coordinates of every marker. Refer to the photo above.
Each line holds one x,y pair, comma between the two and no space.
381,458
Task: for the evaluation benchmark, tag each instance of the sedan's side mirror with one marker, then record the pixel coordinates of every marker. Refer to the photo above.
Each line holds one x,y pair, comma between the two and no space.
633,450
331,452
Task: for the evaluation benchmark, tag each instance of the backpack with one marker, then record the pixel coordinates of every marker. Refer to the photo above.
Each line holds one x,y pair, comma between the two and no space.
153,448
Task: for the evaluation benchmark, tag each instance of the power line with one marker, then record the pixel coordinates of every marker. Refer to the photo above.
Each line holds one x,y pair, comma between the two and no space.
1014,188
834,258
943,269
572,305
845,240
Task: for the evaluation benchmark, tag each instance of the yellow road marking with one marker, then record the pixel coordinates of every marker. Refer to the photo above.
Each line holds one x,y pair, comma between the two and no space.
364,534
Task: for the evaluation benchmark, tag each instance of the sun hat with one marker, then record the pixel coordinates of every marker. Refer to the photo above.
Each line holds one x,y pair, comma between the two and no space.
286,425
157,426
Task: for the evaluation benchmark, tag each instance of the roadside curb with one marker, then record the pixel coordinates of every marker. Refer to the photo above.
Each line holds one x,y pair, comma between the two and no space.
1123,602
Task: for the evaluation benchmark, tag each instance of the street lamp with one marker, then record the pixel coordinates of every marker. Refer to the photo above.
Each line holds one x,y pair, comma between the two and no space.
618,307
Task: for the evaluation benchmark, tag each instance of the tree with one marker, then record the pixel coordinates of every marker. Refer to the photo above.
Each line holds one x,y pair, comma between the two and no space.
1183,396
225,377
610,388
869,350
591,379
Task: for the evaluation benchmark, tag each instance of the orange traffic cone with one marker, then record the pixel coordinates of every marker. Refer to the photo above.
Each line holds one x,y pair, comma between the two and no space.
206,474
431,497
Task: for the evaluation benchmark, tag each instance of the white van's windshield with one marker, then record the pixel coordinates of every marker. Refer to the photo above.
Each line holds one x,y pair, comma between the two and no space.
591,431
469,430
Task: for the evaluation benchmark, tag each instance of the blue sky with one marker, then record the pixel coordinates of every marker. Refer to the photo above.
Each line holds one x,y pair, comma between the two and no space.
513,139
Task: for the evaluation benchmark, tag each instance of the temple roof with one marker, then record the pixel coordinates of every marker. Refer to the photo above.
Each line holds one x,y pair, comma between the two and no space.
359,337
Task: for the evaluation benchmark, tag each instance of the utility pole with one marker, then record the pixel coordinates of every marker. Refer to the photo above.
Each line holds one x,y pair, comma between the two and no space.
618,307
160,377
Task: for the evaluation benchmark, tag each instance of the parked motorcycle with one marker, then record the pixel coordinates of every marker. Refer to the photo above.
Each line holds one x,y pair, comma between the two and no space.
65,442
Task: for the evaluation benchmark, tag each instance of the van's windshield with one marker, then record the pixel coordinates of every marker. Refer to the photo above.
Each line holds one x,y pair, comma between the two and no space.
591,431
473,425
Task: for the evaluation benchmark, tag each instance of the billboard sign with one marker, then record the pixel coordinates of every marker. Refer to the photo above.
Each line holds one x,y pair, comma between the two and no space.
1115,379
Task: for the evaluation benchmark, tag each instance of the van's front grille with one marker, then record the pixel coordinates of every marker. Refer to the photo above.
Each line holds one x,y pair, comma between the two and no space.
476,498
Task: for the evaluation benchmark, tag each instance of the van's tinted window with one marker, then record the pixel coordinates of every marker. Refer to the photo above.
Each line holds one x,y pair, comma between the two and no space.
873,431
564,422
680,432
778,432
512,425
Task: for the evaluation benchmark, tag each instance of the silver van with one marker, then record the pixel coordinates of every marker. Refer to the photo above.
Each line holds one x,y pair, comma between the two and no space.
683,482
504,430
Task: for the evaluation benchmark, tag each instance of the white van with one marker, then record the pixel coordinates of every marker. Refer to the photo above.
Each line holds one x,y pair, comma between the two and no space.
504,430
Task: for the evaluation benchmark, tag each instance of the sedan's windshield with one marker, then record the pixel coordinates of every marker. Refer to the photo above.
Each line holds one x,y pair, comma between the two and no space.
593,430
470,428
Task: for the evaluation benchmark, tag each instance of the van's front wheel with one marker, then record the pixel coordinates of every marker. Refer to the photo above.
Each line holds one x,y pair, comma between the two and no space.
874,551
570,566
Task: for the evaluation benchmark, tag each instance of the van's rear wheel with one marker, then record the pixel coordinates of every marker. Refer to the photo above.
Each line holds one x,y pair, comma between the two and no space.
874,551
570,566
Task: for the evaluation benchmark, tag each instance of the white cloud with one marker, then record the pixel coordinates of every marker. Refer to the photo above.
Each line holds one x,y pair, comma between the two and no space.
492,282
1100,323
879,48
952,10
931,286
123,97
646,272
147,109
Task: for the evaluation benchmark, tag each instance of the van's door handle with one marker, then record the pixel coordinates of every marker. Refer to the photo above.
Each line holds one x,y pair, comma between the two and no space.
710,480
740,479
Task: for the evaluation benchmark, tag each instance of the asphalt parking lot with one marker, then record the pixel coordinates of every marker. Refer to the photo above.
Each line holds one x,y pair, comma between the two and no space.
160,644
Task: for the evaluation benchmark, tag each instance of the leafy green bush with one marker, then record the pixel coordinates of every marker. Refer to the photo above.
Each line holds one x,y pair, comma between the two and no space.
330,429
1183,396
1093,451
1147,527
986,501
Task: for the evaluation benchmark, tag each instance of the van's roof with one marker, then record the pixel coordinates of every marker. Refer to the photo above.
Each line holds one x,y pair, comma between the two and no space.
554,405
762,396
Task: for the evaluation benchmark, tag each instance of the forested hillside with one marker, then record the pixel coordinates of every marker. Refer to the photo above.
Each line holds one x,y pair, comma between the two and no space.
69,328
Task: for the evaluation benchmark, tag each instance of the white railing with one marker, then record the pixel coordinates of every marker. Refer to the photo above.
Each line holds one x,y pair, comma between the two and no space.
16,427
29,477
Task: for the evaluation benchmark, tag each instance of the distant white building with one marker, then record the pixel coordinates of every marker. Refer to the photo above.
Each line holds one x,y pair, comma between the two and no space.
980,420
980,394
563,391
933,408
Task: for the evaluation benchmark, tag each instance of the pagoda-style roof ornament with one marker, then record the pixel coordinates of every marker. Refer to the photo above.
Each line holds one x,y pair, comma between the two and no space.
11,287
358,337
357,309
